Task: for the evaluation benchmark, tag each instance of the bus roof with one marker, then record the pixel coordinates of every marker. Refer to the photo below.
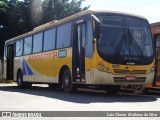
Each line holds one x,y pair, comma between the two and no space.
64,20
118,12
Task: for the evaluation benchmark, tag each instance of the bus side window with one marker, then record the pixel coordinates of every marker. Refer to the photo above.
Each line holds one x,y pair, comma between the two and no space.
19,47
64,36
89,40
5,52
37,43
49,40
27,45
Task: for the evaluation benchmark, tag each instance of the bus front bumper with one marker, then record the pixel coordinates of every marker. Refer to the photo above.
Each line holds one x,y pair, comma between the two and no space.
104,78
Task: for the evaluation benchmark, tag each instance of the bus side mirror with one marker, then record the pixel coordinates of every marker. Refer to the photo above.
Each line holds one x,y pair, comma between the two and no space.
97,27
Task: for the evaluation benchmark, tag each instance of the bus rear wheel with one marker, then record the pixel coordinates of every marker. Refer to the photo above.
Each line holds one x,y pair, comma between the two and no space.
67,84
20,82
139,89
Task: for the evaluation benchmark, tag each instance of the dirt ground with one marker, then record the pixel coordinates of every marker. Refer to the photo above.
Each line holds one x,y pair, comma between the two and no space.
2,80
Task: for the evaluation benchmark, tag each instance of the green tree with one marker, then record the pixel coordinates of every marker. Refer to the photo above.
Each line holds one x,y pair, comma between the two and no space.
15,18
3,24
3,16
18,17
58,9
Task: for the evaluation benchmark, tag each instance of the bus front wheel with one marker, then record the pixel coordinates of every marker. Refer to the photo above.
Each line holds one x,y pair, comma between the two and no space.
20,82
138,89
67,84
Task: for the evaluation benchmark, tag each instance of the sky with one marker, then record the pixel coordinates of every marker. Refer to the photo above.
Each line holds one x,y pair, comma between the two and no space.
149,9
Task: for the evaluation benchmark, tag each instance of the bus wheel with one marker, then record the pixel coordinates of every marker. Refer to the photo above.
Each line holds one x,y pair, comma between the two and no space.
67,84
20,82
113,89
138,89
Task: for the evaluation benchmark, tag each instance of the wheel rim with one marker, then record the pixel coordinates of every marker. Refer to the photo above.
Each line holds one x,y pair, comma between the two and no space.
66,81
137,86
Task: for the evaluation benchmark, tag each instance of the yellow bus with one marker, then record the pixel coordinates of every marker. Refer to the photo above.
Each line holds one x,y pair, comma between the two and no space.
100,49
141,89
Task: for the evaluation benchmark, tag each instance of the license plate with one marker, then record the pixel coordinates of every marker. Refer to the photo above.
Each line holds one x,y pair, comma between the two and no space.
130,78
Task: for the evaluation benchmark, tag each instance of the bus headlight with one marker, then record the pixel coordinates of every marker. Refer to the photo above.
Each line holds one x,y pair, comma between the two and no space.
102,67
152,69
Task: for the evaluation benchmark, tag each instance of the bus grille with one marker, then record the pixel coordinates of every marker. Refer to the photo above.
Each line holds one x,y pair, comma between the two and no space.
123,80
118,71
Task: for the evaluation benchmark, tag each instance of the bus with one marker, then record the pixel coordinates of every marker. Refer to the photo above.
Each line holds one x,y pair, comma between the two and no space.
141,89
97,49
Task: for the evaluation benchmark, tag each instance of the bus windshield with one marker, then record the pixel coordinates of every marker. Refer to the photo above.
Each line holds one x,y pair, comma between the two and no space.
125,39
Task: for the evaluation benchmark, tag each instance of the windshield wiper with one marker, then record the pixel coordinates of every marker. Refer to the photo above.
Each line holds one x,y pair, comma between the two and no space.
119,41
135,44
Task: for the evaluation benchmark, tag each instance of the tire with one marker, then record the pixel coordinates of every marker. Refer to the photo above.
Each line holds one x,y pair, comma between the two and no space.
67,84
20,82
112,89
139,89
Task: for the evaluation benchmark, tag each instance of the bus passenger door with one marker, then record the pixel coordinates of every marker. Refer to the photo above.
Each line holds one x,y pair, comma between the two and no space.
10,61
79,53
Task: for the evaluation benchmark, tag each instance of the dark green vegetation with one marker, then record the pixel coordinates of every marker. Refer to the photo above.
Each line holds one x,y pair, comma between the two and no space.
20,16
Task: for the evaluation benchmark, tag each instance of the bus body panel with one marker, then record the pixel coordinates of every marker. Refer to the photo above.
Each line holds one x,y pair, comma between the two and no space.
64,58
107,73
89,69
45,66
103,78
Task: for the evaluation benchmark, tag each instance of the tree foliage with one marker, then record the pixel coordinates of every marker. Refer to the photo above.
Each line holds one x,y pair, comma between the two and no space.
17,17
58,9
